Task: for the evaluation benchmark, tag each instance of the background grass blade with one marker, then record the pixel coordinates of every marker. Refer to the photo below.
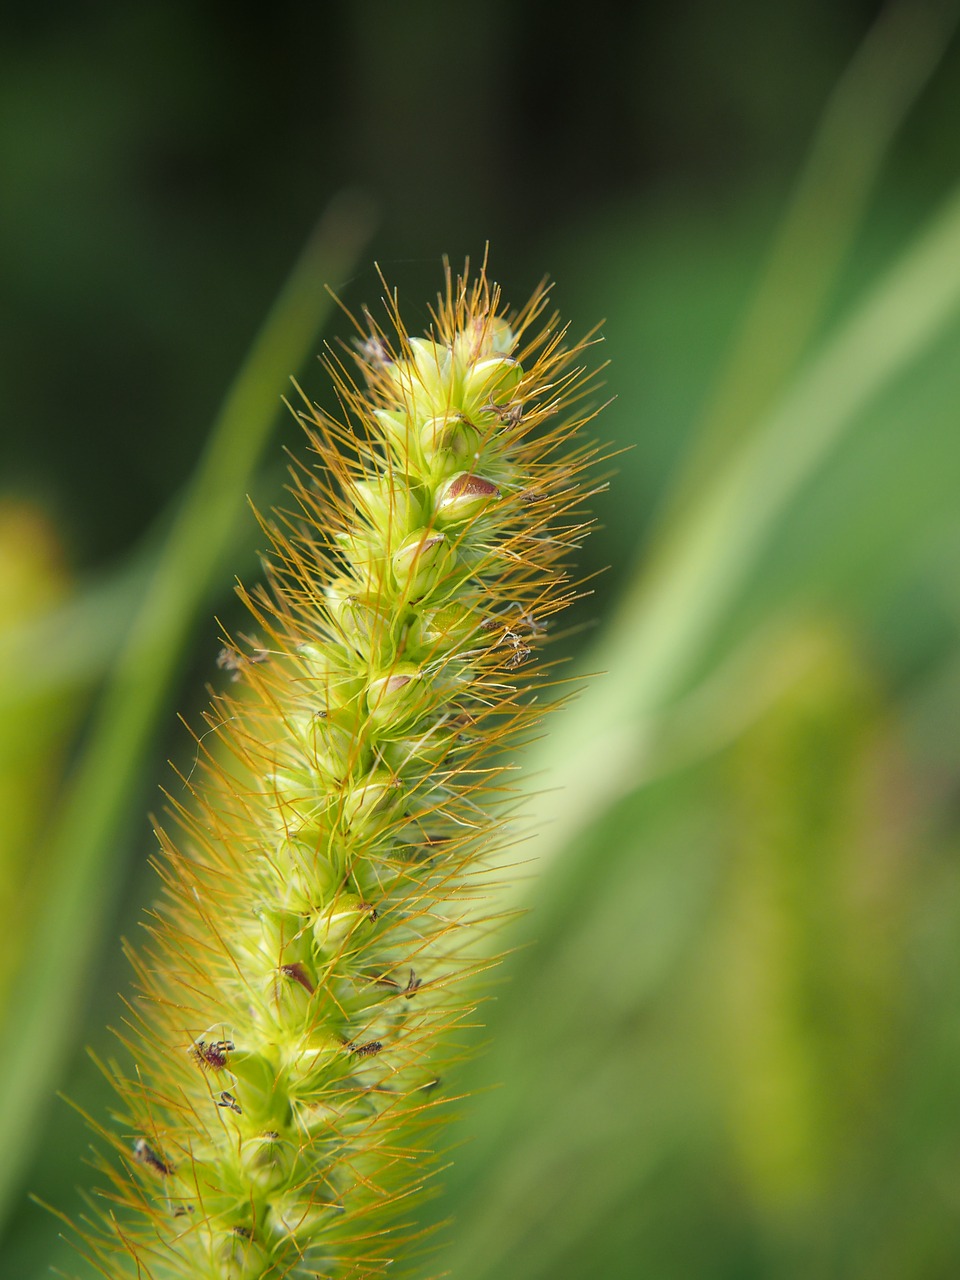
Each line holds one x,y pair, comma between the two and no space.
668,615
830,198
84,844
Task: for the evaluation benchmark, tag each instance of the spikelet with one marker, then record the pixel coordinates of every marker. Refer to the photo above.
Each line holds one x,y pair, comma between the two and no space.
329,889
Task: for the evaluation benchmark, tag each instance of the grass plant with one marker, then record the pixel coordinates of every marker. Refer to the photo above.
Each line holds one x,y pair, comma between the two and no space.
329,863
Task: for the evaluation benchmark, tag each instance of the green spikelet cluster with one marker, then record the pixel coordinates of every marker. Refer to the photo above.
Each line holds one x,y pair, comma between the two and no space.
329,888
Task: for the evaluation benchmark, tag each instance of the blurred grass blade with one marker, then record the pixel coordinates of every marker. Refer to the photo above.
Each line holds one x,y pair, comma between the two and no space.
861,119
669,614
84,843
70,646
34,734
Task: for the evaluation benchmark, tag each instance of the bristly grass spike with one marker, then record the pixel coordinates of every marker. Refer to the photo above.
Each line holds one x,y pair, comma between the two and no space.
328,867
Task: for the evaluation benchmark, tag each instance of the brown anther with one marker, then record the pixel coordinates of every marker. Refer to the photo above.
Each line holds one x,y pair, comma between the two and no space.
508,414
228,1101
146,1155
413,985
213,1055
373,915
299,974
520,654
368,1050
521,651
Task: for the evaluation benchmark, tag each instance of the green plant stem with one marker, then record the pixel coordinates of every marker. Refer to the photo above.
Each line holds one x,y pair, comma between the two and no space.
84,845
668,617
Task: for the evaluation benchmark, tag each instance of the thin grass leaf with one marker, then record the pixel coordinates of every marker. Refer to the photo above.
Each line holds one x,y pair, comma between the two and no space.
672,609
84,847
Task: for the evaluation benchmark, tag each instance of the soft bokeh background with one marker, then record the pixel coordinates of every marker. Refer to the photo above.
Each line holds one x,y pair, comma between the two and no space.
728,1042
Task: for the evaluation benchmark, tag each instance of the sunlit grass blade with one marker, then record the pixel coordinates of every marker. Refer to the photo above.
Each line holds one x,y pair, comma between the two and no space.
831,195
670,612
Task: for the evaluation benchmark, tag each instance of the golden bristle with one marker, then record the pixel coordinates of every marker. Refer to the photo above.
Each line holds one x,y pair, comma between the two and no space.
329,879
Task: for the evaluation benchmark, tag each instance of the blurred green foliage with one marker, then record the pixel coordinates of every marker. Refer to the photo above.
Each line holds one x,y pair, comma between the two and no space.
727,1040
32,733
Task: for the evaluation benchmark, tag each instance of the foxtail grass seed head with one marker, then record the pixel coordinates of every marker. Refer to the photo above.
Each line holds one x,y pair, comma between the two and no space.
329,866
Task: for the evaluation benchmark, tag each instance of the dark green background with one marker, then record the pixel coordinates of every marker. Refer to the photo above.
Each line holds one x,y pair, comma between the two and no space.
734,1049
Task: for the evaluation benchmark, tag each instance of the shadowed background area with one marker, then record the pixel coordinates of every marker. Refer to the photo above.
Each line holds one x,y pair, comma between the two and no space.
727,1040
